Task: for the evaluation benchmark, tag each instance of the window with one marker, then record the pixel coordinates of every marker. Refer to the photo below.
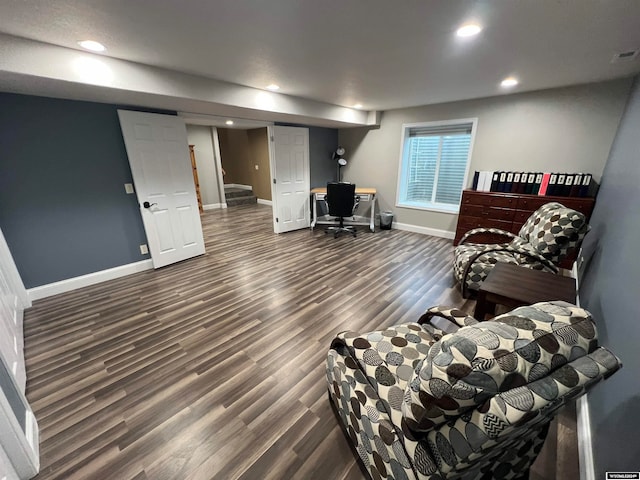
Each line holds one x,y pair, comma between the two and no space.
434,164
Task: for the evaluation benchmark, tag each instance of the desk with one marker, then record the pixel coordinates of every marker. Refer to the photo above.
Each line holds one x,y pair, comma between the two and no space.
363,194
516,286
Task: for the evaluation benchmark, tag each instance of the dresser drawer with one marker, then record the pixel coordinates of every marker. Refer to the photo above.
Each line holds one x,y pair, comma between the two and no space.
479,211
468,223
489,200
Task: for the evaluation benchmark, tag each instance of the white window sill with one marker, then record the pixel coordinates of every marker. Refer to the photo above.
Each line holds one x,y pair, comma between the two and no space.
440,208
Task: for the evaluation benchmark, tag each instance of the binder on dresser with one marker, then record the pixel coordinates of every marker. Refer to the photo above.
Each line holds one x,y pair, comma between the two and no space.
568,184
509,182
531,177
560,184
516,183
553,181
485,181
577,184
494,181
502,181
481,176
476,177
544,184
589,186
536,183
523,182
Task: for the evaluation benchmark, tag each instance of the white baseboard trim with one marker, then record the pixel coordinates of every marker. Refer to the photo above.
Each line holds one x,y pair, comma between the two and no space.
424,230
585,445
214,206
265,202
74,283
583,420
238,185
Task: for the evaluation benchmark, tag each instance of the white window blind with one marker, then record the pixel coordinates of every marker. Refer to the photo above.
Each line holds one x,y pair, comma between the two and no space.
434,164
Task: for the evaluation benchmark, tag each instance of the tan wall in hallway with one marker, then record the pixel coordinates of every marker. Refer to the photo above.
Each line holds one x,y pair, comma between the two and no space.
259,156
234,152
241,151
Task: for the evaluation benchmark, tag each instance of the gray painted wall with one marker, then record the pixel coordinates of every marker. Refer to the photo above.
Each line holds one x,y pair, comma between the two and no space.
63,207
201,137
322,143
609,289
568,129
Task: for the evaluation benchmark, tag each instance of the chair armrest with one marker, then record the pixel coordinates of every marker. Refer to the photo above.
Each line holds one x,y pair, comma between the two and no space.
457,318
504,248
495,231
356,203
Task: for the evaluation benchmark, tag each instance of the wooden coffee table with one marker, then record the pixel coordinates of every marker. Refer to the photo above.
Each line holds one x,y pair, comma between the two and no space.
516,286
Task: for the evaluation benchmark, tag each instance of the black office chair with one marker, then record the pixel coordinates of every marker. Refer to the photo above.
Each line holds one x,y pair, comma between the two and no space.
341,201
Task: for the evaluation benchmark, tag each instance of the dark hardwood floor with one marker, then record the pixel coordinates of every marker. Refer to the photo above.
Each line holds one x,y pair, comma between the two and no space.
214,367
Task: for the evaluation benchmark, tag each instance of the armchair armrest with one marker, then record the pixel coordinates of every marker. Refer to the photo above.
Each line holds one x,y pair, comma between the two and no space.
495,231
505,248
456,318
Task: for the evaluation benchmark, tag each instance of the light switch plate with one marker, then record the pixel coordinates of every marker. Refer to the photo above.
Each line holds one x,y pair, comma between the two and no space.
128,187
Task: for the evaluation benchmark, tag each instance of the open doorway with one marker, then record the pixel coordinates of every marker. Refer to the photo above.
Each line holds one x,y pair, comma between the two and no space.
244,155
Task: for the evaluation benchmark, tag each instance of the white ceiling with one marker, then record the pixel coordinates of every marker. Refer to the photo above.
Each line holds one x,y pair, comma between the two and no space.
382,54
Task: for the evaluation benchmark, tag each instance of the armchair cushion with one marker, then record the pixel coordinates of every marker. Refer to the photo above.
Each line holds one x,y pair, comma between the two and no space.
464,369
553,231
498,434
549,235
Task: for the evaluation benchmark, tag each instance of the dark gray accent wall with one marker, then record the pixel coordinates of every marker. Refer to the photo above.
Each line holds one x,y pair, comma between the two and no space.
63,207
322,143
609,287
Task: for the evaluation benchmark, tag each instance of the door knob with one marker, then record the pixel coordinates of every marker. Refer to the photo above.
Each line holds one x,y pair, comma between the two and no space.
148,205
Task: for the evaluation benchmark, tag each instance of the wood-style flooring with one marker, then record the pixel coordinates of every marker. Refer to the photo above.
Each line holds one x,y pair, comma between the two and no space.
214,367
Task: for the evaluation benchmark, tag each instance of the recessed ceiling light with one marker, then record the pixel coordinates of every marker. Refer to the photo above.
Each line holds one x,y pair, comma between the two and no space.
92,45
509,82
357,105
229,122
469,30
273,87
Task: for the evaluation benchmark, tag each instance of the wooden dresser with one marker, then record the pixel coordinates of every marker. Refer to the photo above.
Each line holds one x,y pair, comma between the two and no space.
507,211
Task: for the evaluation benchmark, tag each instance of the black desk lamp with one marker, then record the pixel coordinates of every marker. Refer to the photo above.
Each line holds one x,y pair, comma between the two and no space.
337,155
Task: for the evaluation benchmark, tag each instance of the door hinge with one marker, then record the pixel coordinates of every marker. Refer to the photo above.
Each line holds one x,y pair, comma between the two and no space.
274,180
277,220
272,138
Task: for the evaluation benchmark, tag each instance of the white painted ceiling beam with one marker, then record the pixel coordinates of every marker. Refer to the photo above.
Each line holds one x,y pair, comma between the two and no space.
42,69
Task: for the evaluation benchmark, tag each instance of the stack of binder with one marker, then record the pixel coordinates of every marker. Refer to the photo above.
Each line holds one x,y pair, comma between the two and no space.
536,183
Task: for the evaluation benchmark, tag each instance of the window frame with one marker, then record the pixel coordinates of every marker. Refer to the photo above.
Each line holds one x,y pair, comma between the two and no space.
403,172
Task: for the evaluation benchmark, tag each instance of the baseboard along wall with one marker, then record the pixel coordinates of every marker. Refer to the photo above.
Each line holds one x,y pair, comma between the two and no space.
435,232
74,283
214,206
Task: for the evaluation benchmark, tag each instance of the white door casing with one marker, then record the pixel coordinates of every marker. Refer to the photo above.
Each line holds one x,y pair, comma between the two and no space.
158,153
19,445
289,152
13,301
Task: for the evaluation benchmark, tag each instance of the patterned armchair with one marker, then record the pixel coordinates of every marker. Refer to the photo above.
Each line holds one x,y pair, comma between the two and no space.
548,236
418,403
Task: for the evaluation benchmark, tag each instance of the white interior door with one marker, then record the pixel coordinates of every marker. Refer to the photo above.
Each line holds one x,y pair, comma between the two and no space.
290,178
19,447
13,301
159,157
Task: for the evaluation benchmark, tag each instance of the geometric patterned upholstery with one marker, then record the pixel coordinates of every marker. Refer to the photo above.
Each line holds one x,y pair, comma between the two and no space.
419,403
548,236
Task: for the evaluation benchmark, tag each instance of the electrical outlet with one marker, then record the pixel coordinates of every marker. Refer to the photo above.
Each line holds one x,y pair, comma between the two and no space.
128,187
143,249
256,167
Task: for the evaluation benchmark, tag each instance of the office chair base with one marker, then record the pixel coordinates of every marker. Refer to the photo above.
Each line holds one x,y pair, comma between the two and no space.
338,230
